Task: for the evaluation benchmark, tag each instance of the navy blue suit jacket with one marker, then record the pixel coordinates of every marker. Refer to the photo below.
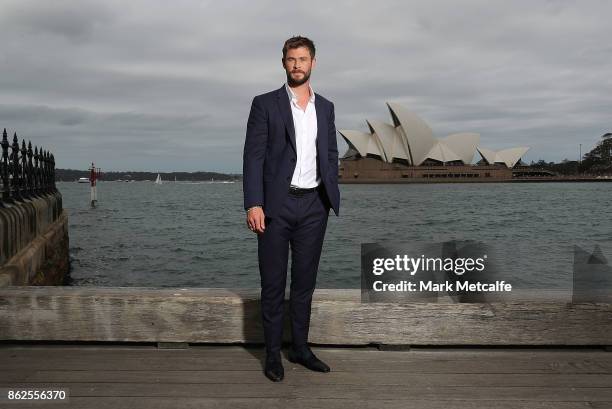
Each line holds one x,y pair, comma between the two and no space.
270,153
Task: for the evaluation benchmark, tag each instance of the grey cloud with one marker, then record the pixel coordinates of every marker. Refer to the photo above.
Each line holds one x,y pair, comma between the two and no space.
151,84
74,20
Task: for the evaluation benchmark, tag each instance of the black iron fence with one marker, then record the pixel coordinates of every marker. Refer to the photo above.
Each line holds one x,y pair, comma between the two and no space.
25,172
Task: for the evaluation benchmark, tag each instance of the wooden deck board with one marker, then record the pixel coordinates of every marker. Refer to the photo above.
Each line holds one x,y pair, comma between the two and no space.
285,403
248,359
339,317
231,376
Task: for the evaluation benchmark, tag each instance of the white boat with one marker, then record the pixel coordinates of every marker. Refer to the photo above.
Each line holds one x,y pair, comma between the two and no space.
83,180
212,180
158,181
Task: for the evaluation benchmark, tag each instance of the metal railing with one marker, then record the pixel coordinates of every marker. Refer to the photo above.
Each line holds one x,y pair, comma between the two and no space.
25,173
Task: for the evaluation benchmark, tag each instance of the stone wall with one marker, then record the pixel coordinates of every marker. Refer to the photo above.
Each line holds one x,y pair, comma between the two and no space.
34,242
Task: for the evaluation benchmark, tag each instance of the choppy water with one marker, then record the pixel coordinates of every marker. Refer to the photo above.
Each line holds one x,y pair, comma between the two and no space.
194,234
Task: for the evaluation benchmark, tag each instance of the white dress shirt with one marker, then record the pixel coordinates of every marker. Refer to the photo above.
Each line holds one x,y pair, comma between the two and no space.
305,124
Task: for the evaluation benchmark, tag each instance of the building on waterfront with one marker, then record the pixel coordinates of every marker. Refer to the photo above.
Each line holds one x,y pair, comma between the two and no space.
407,151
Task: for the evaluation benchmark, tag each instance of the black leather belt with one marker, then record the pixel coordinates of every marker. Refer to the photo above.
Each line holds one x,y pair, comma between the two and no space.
298,191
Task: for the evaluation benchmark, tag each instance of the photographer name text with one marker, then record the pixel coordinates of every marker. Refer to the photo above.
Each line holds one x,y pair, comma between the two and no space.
409,286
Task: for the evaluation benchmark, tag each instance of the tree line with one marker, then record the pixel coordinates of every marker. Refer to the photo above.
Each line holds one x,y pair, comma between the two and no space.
598,161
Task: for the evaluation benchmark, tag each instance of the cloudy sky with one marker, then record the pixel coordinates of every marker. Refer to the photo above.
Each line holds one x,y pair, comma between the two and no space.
167,86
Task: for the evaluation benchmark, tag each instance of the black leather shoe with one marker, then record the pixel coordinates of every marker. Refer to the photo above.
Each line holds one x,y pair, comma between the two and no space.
274,368
306,358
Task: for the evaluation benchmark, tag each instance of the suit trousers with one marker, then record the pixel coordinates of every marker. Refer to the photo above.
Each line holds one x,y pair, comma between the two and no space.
300,225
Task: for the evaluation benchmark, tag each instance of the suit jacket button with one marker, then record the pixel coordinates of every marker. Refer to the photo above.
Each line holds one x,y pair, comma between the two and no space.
288,178
293,160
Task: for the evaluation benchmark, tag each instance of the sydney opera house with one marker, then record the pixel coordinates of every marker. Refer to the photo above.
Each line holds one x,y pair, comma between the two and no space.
407,151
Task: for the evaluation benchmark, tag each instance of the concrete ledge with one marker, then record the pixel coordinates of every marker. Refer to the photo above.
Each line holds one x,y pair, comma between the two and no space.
44,260
338,317
23,221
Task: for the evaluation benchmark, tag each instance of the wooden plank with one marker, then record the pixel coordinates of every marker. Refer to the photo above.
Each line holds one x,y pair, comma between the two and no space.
301,376
523,366
330,391
341,360
172,345
104,402
339,352
223,353
338,317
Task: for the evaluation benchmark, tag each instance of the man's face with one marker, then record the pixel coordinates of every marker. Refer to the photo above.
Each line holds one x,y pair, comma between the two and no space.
298,64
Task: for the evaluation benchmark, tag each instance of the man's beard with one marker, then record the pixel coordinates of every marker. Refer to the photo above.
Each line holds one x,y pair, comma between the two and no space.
295,83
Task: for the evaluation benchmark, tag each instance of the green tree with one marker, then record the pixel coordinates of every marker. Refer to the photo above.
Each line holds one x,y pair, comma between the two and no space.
599,159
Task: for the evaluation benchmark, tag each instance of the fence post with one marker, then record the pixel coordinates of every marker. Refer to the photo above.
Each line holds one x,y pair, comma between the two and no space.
31,191
15,171
46,170
52,164
37,171
24,173
4,167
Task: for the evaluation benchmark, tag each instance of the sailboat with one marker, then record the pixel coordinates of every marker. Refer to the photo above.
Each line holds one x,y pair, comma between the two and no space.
158,181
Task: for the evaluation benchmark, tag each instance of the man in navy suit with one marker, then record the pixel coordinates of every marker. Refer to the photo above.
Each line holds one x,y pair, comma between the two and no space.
290,181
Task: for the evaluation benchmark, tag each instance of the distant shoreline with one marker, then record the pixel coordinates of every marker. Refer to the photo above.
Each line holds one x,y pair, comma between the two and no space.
71,175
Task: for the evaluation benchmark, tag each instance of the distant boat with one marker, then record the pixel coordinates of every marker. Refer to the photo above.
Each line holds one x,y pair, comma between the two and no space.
158,181
83,180
212,180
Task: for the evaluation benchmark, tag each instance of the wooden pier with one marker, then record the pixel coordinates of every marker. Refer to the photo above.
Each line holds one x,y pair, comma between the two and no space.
200,348
120,376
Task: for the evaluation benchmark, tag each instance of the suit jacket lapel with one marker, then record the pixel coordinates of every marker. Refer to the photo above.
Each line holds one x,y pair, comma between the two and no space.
321,129
284,105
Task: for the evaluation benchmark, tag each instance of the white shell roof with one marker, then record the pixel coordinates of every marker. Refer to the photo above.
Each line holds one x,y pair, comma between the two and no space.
442,153
411,139
463,144
363,143
508,156
419,135
390,139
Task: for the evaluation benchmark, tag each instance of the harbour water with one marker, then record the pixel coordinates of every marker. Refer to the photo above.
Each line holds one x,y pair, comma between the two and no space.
194,235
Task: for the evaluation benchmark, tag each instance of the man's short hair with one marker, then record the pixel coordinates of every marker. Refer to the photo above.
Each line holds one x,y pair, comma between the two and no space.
299,41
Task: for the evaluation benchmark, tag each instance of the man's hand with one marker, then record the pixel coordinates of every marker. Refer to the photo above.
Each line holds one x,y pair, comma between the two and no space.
256,220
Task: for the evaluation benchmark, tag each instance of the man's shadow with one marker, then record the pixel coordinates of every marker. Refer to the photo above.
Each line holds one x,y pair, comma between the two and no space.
252,328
